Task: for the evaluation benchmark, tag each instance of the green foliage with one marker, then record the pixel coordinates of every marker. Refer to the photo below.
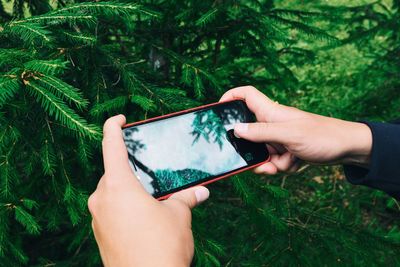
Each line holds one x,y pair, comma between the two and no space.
172,179
65,66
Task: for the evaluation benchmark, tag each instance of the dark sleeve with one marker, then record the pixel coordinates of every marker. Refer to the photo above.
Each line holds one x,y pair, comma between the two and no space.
384,170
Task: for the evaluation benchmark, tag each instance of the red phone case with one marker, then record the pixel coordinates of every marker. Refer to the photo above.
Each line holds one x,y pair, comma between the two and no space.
190,110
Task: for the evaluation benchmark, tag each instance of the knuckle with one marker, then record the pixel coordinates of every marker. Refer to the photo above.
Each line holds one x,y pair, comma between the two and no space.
251,88
262,128
92,203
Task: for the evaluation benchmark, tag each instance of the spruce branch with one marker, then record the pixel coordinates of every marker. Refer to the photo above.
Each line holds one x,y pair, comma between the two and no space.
48,158
30,33
29,203
144,102
8,175
207,17
109,105
198,85
27,220
85,152
108,9
50,67
11,56
302,14
308,30
54,19
17,253
63,90
61,112
80,38
191,72
8,88
4,229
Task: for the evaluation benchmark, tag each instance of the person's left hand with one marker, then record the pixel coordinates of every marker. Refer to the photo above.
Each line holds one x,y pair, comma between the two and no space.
130,226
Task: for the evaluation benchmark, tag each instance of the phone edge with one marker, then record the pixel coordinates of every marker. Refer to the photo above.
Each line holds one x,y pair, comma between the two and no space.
127,125
218,178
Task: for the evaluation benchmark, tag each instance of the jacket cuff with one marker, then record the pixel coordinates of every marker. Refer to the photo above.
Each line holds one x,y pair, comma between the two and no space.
384,169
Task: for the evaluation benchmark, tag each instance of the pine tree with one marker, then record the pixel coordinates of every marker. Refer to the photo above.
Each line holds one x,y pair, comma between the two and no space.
66,66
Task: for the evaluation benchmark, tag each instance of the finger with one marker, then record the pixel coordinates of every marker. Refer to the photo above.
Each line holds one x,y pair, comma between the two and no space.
267,168
295,167
257,102
280,149
277,132
271,149
283,162
115,155
297,163
192,197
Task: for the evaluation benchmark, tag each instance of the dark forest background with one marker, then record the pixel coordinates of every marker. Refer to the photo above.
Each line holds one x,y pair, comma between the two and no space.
66,66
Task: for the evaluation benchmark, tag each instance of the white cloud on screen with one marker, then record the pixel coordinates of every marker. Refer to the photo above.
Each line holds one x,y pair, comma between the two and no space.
169,145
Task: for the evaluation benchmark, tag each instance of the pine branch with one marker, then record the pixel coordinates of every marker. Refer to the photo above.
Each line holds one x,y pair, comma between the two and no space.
302,14
8,88
8,173
27,220
50,67
198,86
8,176
110,9
191,70
48,158
206,18
12,56
109,105
30,33
80,38
85,152
308,30
18,253
63,90
53,19
75,203
61,112
144,102
175,99
29,203
4,229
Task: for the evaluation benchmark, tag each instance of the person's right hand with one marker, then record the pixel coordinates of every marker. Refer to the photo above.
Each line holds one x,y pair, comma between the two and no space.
292,134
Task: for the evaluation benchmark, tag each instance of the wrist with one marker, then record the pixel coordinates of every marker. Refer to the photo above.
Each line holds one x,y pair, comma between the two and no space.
358,144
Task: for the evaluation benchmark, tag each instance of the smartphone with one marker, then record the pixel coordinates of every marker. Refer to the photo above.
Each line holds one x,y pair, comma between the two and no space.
191,147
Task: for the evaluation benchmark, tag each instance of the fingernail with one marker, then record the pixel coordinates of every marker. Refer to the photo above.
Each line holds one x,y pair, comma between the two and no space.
241,128
202,194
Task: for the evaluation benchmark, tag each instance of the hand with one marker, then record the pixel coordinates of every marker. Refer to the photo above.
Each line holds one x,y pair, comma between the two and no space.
292,134
130,226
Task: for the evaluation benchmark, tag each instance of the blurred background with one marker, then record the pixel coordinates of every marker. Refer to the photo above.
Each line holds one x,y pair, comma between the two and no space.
66,66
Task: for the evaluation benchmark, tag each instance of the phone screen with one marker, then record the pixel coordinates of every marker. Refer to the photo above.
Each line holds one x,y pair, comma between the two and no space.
169,154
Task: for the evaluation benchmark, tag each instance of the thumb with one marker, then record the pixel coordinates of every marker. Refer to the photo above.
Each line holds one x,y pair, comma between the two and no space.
277,132
192,197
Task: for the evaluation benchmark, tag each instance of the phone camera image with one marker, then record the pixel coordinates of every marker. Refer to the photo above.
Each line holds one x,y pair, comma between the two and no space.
182,150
